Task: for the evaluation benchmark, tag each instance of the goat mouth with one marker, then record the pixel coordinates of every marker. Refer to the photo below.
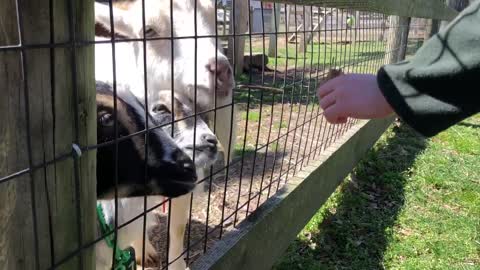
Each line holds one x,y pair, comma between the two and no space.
170,188
201,148
185,184
176,188
203,154
203,157
222,89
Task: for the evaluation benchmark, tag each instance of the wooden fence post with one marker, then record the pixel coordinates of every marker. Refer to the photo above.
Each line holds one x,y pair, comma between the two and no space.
356,26
431,29
40,219
238,15
307,27
272,43
397,39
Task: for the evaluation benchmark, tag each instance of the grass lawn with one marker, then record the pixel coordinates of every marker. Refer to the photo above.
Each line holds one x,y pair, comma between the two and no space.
323,54
319,55
412,203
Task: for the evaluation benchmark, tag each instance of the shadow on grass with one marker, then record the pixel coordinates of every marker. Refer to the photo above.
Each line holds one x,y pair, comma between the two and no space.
355,233
468,125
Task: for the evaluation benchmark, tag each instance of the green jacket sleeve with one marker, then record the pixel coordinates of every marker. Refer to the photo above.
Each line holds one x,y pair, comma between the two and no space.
439,86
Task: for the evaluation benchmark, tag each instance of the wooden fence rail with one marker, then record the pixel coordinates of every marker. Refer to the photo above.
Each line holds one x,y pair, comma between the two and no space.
431,9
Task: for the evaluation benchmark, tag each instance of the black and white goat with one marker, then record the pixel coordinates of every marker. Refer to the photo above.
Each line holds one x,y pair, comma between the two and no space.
164,158
166,170
203,144
196,139
198,66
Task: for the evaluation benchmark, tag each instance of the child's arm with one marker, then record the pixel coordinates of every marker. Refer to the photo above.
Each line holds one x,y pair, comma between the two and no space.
431,92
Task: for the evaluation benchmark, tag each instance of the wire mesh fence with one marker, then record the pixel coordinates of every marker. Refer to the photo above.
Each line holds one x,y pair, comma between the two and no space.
225,89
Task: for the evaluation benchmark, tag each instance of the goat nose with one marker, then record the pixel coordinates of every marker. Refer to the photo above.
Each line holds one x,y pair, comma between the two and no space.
209,139
220,68
184,162
188,165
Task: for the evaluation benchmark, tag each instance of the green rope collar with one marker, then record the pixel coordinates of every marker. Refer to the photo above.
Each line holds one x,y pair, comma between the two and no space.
124,259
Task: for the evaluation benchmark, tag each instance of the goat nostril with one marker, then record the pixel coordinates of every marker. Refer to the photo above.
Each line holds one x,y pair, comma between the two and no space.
209,139
188,165
219,66
182,159
210,67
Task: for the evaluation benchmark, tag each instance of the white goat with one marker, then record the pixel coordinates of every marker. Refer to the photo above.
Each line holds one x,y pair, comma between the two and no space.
196,59
203,150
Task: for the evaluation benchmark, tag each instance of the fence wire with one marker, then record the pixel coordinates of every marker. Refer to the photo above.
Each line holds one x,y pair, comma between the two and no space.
288,51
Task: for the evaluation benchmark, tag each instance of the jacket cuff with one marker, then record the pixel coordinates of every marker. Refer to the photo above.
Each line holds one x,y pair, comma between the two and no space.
396,98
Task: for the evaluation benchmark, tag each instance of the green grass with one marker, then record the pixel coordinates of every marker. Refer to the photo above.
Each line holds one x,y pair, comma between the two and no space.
238,150
278,125
273,146
411,203
323,54
252,116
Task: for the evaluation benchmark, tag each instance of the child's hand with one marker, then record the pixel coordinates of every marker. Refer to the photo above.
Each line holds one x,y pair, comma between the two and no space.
352,95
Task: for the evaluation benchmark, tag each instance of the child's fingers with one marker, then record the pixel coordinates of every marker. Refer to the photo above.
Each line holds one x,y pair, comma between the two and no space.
326,88
342,120
327,101
332,114
323,91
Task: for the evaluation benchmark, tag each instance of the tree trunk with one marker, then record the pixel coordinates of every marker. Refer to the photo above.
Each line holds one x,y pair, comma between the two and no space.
397,39
41,222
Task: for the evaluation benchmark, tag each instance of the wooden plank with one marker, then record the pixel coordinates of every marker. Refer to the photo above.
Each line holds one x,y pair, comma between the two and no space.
12,158
46,196
433,9
260,240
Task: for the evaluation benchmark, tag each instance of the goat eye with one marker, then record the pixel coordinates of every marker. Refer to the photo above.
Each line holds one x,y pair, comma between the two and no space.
150,32
106,120
160,108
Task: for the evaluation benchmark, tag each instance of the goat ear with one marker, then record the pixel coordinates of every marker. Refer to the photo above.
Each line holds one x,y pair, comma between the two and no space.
123,25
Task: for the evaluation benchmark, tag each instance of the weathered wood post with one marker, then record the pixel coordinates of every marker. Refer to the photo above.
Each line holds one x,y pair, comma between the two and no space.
356,26
431,29
224,25
238,16
397,38
307,27
288,14
48,211
383,30
275,18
